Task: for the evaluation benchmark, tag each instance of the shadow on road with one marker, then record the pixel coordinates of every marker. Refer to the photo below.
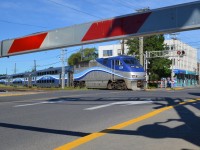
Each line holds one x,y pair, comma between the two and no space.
43,130
189,130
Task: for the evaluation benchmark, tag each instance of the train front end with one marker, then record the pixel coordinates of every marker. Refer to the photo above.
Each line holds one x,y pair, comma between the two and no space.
134,72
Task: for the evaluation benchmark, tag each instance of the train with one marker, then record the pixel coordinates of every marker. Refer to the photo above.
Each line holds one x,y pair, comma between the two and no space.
118,72
50,77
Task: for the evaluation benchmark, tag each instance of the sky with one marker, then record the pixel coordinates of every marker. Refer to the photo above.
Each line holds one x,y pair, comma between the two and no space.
23,17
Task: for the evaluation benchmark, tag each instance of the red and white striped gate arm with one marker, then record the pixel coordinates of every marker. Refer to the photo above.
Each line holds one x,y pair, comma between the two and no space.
163,20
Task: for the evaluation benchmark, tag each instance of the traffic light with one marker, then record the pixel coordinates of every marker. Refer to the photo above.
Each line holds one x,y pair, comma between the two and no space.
181,53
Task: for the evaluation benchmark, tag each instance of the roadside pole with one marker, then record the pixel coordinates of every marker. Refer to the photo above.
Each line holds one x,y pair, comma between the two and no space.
146,67
63,67
172,75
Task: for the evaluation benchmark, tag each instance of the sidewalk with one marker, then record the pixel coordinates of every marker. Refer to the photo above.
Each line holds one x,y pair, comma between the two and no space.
174,88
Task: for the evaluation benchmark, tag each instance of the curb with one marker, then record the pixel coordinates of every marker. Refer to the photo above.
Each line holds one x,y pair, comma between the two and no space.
165,89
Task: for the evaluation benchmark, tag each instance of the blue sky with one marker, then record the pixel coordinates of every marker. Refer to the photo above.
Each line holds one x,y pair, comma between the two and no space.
23,17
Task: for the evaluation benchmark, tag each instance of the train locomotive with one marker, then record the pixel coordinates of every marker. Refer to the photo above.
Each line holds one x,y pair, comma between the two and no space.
119,72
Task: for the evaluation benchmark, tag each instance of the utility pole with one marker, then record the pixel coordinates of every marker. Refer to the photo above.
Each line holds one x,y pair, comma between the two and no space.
82,55
174,37
68,73
146,68
141,39
63,67
122,46
141,50
15,69
34,65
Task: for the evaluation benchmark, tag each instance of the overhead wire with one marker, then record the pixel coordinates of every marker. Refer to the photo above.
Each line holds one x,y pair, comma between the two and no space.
24,24
121,3
49,64
74,9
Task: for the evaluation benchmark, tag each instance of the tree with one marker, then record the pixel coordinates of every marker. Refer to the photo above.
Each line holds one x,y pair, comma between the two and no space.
74,58
89,53
158,67
83,55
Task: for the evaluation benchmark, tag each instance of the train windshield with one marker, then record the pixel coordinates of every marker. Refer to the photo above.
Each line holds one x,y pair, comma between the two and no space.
132,61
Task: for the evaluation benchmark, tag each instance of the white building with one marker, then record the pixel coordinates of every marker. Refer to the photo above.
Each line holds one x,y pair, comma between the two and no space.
188,61
111,50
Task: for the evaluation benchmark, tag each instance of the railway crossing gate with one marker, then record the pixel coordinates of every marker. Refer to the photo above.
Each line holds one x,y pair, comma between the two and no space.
162,20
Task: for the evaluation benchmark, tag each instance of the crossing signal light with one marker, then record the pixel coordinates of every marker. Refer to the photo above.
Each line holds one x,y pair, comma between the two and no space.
181,53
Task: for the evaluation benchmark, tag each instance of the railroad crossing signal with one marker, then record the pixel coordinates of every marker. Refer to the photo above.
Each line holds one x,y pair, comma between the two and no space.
181,53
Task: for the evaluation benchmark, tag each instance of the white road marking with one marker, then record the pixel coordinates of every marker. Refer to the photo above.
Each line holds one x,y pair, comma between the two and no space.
46,102
124,103
30,104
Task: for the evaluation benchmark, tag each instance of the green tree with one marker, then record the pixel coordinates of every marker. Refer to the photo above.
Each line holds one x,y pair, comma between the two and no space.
89,53
74,58
83,55
158,67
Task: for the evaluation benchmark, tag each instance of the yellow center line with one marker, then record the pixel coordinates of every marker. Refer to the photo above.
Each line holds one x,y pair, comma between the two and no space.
95,135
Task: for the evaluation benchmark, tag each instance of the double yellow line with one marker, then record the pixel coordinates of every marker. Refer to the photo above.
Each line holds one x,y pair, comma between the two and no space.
93,136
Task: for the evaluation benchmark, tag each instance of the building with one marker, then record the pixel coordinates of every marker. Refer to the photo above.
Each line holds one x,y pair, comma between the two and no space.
185,71
111,50
184,63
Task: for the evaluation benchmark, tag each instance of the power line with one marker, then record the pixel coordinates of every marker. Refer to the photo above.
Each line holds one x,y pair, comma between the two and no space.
125,4
24,24
75,9
49,64
130,4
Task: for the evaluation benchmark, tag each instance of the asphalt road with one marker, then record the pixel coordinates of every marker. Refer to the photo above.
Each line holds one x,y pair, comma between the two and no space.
101,120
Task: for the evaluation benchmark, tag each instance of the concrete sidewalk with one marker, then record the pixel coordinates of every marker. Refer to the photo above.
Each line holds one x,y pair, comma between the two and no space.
171,89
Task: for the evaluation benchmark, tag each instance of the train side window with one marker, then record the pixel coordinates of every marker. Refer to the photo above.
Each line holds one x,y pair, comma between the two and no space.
56,72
